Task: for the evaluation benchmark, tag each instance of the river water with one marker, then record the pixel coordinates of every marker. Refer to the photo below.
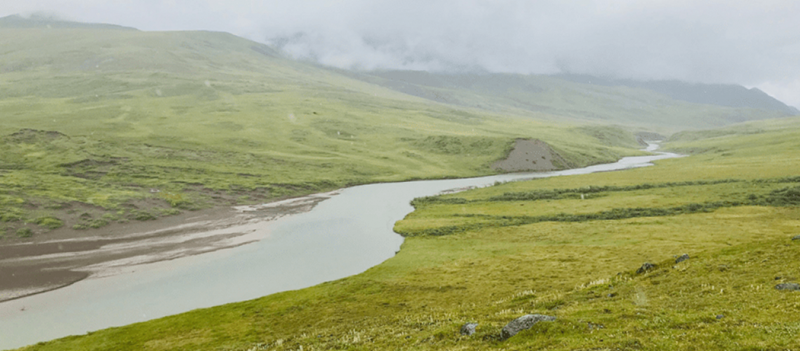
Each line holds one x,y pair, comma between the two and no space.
341,236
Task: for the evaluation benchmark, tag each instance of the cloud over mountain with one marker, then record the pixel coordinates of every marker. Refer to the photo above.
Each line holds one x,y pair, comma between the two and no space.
749,43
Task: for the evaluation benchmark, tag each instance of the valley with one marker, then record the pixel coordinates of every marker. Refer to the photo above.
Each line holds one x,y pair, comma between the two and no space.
179,159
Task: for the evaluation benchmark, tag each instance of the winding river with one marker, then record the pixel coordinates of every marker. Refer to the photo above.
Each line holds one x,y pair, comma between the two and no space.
341,236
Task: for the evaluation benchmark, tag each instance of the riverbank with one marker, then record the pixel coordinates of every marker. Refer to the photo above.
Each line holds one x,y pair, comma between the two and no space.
36,267
69,254
352,230
420,298
581,270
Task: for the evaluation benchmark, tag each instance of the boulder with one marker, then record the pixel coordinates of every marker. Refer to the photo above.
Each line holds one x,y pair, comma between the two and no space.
788,286
468,329
682,258
645,267
522,323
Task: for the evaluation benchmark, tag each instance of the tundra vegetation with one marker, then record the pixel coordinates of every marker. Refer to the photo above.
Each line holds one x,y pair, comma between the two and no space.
139,125
536,247
106,124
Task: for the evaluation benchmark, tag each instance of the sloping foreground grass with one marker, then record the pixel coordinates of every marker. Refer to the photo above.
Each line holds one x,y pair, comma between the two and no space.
582,272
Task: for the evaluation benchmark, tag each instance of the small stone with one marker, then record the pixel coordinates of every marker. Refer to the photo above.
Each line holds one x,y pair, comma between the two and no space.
778,278
788,286
645,267
595,326
468,329
719,316
796,237
522,323
682,258
612,294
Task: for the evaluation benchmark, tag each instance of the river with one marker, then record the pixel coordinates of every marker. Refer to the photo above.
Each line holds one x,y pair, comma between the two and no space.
342,236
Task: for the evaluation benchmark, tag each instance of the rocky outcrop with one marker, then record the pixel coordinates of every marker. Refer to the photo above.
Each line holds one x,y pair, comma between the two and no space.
646,267
682,258
788,286
522,323
468,329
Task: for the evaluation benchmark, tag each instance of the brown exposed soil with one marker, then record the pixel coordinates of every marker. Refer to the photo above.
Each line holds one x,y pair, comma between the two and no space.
531,155
65,256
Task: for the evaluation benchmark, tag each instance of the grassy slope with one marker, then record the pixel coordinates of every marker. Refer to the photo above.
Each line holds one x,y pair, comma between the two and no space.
211,119
208,119
519,94
581,271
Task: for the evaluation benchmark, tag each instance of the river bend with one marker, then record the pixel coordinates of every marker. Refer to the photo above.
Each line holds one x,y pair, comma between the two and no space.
342,236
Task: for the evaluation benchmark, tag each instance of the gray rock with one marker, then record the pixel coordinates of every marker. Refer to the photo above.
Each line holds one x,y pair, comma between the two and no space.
796,237
788,286
522,323
468,329
645,267
682,258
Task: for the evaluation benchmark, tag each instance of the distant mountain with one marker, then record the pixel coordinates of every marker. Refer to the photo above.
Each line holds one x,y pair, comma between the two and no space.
730,95
657,106
101,62
40,21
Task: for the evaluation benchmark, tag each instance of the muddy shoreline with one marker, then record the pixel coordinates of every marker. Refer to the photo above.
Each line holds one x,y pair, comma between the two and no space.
67,256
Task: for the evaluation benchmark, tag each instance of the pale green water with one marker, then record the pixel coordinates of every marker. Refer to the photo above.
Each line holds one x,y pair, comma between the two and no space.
342,236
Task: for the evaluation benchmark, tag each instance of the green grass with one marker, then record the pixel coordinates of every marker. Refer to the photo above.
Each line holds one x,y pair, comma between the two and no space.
112,121
549,97
583,272
190,162
147,123
115,126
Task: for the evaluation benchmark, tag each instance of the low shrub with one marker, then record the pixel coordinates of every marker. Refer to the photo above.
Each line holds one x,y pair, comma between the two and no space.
24,232
49,222
142,216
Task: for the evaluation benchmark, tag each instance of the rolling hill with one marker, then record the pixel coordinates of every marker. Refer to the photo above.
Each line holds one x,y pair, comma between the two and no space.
662,106
110,117
104,124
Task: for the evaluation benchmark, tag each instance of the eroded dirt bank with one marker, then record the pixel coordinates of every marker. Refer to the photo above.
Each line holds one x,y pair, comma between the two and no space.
531,155
36,267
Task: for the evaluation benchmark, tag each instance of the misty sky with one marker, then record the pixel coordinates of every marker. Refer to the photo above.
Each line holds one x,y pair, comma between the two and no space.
743,42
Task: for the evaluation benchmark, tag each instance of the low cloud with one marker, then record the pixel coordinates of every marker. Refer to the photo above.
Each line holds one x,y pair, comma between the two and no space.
748,43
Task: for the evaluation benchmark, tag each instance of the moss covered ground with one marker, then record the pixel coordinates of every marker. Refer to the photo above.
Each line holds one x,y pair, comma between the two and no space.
581,271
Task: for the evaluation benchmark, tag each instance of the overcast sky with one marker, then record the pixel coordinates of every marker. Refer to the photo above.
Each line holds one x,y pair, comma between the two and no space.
753,43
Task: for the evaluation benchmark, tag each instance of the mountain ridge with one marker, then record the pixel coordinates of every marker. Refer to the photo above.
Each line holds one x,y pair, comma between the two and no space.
43,21
93,60
730,95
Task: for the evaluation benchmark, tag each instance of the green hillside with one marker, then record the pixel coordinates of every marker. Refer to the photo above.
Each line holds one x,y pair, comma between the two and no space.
640,106
104,124
729,95
137,125
568,247
48,21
